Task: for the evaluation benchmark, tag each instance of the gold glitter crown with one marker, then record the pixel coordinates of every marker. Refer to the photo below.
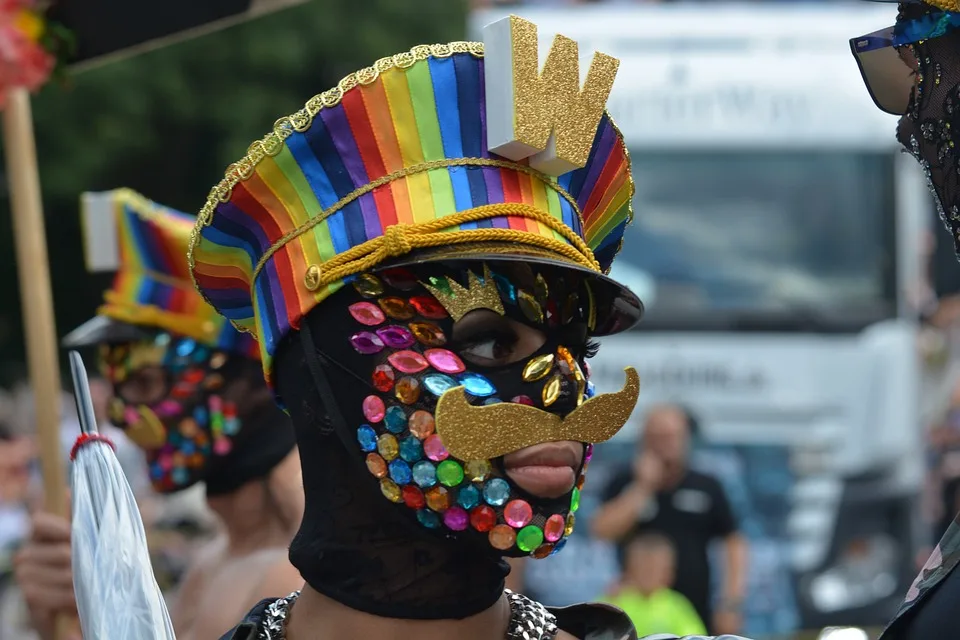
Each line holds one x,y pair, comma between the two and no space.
459,301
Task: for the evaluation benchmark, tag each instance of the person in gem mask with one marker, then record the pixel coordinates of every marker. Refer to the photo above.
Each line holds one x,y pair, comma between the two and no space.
426,309
187,388
913,70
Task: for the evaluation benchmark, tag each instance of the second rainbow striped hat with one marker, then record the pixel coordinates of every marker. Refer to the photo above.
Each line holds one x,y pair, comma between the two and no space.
466,149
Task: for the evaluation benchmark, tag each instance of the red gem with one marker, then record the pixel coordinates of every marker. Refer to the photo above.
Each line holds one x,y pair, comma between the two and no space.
412,496
428,307
483,518
182,390
527,400
193,376
399,278
553,315
383,377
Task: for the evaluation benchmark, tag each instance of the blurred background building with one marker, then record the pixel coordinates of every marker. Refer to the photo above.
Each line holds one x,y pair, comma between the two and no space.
802,298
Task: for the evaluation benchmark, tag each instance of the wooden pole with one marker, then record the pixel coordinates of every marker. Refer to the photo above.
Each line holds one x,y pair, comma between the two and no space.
35,294
36,299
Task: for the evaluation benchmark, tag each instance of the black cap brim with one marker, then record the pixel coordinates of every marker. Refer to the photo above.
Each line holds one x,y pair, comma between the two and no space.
102,330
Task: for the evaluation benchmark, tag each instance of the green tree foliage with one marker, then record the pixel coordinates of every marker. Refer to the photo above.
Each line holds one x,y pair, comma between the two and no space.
168,122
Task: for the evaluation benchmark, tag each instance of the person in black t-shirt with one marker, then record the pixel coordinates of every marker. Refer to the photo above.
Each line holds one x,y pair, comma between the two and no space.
660,493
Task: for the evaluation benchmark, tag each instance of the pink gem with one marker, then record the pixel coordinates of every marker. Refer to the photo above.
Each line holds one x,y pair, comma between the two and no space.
168,408
522,400
434,448
445,361
456,518
396,337
130,416
221,446
367,313
366,343
553,529
408,361
166,463
586,369
588,453
373,409
518,514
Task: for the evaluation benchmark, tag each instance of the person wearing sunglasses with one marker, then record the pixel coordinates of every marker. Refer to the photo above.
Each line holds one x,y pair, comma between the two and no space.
912,70
187,389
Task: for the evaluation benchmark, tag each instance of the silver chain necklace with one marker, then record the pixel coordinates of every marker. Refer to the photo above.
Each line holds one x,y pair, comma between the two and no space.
529,620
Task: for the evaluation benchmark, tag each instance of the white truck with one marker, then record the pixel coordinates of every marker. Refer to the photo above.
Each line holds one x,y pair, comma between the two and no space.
776,247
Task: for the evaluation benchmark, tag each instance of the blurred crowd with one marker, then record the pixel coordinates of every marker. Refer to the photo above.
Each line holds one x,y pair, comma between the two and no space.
176,525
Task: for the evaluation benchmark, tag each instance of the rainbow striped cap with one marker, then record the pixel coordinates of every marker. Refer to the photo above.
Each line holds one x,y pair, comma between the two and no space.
465,148
146,245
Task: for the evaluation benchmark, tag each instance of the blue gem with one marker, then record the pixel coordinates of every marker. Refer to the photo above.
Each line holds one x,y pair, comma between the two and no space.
395,420
477,385
200,415
428,518
469,497
367,438
590,391
411,449
560,545
162,339
180,475
492,401
186,347
400,472
507,290
188,448
174,438
496,492
156,471
231,426
425,474
437,383
201,354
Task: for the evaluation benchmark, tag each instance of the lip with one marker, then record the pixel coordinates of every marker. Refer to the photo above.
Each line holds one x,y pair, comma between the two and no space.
546,470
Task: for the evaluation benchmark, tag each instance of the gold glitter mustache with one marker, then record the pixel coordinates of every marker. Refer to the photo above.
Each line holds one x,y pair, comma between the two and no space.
482,433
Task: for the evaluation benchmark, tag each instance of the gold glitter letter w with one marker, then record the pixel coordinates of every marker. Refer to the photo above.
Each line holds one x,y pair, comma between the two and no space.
542,116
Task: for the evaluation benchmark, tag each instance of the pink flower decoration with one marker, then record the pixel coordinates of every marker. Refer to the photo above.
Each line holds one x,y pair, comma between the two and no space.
23,60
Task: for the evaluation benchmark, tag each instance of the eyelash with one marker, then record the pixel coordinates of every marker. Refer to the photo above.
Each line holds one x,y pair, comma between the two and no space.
591,349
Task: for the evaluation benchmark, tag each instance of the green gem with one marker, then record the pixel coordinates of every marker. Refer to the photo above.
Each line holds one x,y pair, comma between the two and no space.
450,473
575,500
529,538
441,284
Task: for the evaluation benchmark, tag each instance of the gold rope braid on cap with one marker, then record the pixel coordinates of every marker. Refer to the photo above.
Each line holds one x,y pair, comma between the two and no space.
946,5
401,239
396,175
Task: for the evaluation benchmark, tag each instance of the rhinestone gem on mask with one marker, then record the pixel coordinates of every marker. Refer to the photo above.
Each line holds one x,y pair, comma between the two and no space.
428,307
477,385
496,492
396,308
530,307
399,278
368,285
411,449
438,499
388,447
456,518
450,473
434,448
408,390
551,390
373,409
553,529
502,537
395,420
383,378
421,424
483,518
529,538
429,519
428,334
538,368
367,313
425,474
413,497
376,465
477,470
400,472
408,362
438,383
396,337
390,490
468,497
444,361
518,513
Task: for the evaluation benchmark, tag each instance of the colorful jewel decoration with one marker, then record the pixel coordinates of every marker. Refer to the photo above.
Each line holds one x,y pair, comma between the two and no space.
413,369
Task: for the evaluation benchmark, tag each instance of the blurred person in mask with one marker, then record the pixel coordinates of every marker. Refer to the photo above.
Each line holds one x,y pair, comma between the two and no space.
913,70
186,387
426,309
661,493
